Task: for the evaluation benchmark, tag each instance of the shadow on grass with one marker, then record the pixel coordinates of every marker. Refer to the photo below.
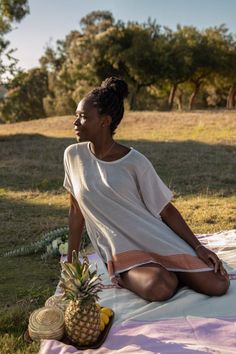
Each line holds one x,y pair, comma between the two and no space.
32,162
191,167
23,221
35,162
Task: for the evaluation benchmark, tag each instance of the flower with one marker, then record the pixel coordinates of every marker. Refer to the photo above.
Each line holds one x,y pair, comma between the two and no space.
57,247
56,243
63,248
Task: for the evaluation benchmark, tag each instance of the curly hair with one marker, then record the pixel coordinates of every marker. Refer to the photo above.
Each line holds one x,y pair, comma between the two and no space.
109,99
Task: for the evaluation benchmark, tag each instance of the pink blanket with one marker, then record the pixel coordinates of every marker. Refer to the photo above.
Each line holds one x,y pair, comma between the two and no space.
187,323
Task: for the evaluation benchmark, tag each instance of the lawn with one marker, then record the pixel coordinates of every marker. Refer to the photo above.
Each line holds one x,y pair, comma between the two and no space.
194,153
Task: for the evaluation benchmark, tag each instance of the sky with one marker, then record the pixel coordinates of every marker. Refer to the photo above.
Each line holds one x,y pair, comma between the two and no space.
50,20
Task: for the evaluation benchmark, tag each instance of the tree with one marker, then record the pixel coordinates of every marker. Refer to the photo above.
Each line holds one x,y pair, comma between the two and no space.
61,82
229,74
134,53
208,56
193,56
96,22
10,11
178,60
69,65
73,67
24,99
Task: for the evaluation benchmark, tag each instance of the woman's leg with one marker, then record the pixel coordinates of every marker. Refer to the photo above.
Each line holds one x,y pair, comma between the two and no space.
209,283
150,281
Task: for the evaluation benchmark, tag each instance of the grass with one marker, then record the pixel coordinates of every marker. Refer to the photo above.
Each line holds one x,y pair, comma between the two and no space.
194,153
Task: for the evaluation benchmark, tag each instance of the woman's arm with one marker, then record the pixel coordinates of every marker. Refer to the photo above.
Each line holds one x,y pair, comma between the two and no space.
76,225
171,216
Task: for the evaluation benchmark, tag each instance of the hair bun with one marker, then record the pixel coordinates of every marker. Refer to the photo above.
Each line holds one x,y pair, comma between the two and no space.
119,86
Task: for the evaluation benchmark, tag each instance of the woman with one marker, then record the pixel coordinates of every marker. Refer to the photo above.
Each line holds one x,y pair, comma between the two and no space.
114,190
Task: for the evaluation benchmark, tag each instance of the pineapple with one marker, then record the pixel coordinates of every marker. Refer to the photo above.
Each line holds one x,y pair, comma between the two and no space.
80,285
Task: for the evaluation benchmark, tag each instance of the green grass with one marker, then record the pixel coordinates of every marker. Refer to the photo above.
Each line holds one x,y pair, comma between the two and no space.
194,153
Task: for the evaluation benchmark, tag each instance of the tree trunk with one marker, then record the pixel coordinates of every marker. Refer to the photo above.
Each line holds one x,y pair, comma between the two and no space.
180,101
172,96
133,98
231,97
194,94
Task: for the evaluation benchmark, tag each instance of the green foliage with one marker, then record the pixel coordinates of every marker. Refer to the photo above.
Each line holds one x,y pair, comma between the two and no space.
24,98
164,69
96,22
132,53
40,245
78,281
10,11
167,67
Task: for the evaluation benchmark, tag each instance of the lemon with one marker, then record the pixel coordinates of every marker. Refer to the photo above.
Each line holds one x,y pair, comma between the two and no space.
104,317
102,326
107,311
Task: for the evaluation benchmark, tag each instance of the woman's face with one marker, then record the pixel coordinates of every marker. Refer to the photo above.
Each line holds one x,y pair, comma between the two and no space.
88,123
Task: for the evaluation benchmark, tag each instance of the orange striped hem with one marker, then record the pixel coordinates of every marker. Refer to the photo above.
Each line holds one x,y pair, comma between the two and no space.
125,260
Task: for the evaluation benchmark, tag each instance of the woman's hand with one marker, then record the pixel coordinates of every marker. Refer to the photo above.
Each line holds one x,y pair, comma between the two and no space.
211,259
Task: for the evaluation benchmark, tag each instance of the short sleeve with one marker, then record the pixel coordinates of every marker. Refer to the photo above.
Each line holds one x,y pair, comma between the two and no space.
155,194
67,184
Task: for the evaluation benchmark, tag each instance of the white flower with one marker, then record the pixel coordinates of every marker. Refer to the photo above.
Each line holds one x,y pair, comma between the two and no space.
56,243
59,240
63,248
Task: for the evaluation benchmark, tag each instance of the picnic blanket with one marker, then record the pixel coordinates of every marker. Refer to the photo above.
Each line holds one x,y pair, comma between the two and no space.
187,323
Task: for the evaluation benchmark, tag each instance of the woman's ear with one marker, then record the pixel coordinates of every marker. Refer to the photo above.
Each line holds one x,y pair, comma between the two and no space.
106,121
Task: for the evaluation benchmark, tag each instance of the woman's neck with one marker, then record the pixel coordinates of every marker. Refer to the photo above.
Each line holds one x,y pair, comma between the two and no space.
102,148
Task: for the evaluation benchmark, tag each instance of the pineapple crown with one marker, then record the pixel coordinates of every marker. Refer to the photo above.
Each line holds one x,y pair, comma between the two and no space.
78,282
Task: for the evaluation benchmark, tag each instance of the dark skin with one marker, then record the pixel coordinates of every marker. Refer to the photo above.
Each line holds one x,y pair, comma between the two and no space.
89,126
150,281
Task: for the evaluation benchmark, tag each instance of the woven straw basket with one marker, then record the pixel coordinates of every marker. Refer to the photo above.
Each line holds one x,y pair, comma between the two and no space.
56,301
46,323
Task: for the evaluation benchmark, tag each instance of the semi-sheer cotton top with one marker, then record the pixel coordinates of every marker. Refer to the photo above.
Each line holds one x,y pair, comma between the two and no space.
121,202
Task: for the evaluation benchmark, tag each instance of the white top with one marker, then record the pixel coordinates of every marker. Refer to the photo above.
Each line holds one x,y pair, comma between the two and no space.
121,202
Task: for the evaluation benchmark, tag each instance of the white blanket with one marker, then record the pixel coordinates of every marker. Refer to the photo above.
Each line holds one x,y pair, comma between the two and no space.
189,322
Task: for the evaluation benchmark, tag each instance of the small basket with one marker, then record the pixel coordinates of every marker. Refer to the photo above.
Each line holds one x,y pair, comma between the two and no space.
46,323
57,301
